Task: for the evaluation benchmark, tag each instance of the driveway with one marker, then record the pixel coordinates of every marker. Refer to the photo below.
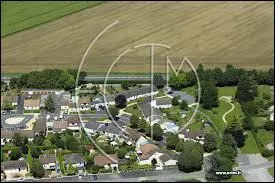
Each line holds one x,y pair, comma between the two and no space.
254,167
20,106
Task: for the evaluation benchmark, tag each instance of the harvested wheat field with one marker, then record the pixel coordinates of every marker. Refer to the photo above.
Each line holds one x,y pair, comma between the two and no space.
211,33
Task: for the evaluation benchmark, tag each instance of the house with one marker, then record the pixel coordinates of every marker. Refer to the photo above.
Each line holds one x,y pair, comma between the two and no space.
31,104
7,135
162,103
141,92
149,113
64,102
75,159
100,102
74,123
60,126
197,136
43,99
40,126
147,153
169,126
84,103
131,136
14,101
166,160
13,167
48,161
142,141
189,99
91,127
109,161
40,91
123,120
113,132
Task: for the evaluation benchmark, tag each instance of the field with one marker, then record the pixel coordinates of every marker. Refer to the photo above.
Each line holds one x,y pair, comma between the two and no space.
21,16
211,33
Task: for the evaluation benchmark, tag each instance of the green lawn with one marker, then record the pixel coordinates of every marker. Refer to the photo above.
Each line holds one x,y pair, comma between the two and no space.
236,178
195,126
227,91
130,109
271,171
134,166
20,16
216,114
258,121
236,113
190,90
265,137
250,145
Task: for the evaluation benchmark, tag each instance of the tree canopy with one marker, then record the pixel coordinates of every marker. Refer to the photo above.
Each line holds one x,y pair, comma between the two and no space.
209,95
158,80
120,101
49,104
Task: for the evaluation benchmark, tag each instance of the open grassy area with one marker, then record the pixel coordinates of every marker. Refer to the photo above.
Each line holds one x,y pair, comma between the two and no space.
132,110
250,145
271,171
259,121
264,89
227,91
236,178
265,137
216,114
221,33
24,15
190,90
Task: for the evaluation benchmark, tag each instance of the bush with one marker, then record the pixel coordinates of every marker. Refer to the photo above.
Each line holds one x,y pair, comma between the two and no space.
267,153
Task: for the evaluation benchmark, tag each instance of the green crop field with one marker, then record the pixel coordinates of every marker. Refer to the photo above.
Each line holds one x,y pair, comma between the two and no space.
18,16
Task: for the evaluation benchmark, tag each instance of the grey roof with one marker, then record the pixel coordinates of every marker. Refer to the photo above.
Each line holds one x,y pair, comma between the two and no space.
163,101
93,125
47,158
139,91
102,128
73,158
8,165
146,110
113,129
40,125
109,98
164,158
8,134
184,96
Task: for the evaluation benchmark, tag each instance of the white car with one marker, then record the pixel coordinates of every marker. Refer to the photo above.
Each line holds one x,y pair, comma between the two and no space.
21,179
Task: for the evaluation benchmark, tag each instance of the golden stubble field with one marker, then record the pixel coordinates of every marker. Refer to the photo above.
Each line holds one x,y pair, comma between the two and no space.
211,33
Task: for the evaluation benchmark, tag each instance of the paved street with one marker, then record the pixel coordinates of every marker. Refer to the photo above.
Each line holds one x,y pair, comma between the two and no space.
170,175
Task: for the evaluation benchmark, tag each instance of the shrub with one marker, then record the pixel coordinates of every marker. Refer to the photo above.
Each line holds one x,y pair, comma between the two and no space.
267,153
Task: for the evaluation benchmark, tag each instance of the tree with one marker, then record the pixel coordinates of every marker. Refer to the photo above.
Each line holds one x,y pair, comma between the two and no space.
191,158
250,108
209,95
49,104
246,89
210,142
228,139
71,143
7,105
35,152
247,123
89,162
71,170
39,140
121,152
183,105
179,147
13,83
157,132
19,140
25,149
228,151
120,101
142,125
172,140
268,125
125,85
134,120
178,81
15,154
113,111
175,100
158,80
36,168
154,162
236,131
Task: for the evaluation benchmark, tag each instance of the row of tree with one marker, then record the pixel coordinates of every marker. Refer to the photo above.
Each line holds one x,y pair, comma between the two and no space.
49,79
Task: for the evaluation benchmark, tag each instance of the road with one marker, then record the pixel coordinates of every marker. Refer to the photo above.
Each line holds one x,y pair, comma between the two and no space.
170,175
111,77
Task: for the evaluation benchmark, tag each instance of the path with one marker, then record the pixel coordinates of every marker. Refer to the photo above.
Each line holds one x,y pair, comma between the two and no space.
224,98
